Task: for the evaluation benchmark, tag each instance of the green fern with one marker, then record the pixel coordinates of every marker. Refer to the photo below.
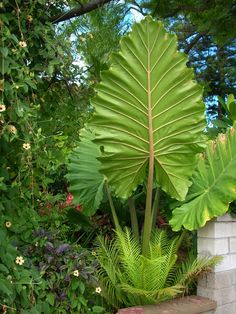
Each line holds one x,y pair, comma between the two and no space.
128,278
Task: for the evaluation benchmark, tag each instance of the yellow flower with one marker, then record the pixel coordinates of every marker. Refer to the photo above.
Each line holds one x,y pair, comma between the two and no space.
98,290
19,260
82,39
8,224
22,44
90,35
76,273
94,253
29,18
2,107
12,129
14,50
26,146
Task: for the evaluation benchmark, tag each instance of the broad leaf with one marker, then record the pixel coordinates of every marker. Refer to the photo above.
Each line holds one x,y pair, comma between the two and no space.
214,184
86,182
148,107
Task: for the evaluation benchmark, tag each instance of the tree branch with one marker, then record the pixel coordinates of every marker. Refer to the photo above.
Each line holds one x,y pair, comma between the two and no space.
193,42
88,7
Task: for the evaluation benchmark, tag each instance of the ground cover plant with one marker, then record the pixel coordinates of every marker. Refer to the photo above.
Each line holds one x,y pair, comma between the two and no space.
47,272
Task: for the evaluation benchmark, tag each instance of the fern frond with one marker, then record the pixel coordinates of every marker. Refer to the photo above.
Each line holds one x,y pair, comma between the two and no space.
153,297
128,278
109,272
129,254
194,267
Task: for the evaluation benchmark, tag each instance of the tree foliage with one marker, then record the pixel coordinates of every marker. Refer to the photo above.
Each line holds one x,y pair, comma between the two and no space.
206,31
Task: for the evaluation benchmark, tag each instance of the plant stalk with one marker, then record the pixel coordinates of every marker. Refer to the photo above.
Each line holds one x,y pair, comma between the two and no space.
113,211
133,217
155,207
184,232
148,209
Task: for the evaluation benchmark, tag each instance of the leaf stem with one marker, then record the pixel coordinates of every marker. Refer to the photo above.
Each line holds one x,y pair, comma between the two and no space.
133,217
113,211
155,207
184,232
148,209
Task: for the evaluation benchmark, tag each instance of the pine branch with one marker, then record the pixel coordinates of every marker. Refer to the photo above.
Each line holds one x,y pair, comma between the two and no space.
193,42
82,9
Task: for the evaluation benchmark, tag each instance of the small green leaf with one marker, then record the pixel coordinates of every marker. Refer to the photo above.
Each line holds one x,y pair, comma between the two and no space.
98,309
5,287
75,284
232,110
4,269
4,51
51,299
81,287
230,99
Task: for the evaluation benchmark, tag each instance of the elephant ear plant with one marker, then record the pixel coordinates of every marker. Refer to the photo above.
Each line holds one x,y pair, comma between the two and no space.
147,129
214,184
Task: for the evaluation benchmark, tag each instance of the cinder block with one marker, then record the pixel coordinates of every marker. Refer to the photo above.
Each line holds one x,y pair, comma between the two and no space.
212,294
213,246
202,281
225,264
225,309
227,295
221,296
219,280
226,217
214,229
234,277
233,260
232,245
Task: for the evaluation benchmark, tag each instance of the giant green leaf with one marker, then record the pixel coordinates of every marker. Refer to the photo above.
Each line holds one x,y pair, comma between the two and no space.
214,184
86,182
146,107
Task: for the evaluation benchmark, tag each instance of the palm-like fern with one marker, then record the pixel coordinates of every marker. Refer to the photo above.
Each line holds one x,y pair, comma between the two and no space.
128,278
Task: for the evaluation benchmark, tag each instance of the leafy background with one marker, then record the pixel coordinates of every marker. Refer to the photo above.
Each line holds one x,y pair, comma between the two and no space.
45,87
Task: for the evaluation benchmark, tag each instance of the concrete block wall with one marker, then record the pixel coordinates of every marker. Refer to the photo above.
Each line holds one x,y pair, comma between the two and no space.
218,237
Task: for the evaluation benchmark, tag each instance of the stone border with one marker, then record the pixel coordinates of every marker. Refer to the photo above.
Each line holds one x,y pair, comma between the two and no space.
185,305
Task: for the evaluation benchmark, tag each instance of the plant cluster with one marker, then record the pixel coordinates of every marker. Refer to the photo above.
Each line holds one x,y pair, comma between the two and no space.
146,135
47,272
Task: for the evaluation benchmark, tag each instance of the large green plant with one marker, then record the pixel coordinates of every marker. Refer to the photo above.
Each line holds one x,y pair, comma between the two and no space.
148,118
214,184
146,130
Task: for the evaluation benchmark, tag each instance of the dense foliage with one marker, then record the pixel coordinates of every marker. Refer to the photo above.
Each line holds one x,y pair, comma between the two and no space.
51,56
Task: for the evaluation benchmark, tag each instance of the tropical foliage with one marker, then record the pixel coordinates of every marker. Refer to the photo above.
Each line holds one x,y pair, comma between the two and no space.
130,278
148,123
51,57
148,117
213,187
